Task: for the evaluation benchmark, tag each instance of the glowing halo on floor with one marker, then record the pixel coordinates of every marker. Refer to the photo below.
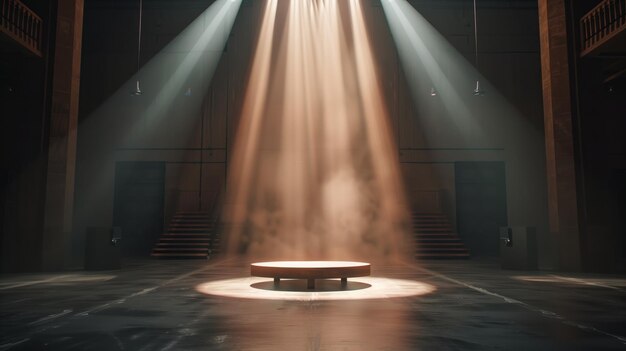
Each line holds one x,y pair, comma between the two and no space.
358,289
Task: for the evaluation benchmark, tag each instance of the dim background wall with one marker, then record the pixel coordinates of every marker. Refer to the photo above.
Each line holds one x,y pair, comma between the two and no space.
109,60
505,125
24,122
510,60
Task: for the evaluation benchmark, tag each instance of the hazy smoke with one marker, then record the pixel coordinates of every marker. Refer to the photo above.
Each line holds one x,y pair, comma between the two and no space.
315,173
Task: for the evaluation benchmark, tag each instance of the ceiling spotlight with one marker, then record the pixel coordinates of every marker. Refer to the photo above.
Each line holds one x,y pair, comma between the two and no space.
433,92
478,91
137,91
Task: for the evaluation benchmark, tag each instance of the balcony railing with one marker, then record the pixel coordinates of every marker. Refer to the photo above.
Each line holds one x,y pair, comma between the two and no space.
602,23
22,24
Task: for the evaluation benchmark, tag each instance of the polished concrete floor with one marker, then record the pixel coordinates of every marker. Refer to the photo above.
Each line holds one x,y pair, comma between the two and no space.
215,305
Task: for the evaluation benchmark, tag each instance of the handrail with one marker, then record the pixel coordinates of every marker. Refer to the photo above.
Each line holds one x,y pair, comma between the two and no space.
602,23
22,24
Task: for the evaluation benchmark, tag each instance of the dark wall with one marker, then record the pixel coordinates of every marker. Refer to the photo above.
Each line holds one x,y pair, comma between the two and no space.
23,130
599,111
602,148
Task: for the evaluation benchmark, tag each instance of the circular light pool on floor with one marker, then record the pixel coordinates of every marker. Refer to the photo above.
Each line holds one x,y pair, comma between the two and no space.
357,289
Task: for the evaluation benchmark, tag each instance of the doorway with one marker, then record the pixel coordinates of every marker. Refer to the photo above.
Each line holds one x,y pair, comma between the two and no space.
138,205
480,205
618,205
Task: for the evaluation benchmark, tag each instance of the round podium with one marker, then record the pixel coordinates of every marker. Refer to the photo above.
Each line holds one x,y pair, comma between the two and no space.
310,270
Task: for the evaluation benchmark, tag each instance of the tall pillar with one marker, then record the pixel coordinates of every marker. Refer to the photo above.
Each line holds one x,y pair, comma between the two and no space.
561,172
62,145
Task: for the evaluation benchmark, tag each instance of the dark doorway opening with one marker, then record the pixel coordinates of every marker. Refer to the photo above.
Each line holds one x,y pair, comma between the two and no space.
138,206
4,182
480,205
618,204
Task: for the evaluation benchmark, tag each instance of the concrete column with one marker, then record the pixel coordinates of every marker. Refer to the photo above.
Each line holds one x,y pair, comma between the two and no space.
62,145
561,174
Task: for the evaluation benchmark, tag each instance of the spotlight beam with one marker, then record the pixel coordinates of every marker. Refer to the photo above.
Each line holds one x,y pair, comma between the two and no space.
408,25
138,121
379,130
323,181
206,50
456,118
248,135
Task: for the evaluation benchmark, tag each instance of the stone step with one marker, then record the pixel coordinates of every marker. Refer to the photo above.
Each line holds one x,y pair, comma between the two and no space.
189,235
180,255
190,231
439,256
183,245
434,237
442,249
442,244
179,249
162,239
438,240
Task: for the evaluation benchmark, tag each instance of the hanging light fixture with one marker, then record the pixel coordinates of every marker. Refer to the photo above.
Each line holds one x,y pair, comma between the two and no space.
435,83
478,91
137,90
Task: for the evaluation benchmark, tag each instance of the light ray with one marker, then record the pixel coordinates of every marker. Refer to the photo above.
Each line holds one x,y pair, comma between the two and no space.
457,119
247,141
164,116
323,181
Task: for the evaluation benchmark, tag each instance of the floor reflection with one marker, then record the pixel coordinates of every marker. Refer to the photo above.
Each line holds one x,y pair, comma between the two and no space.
318,325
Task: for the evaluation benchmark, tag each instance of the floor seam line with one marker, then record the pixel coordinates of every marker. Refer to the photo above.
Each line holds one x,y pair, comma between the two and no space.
11,343
545,313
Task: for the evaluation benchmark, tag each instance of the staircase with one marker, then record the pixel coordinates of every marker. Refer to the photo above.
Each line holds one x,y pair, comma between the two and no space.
435,239
190,235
